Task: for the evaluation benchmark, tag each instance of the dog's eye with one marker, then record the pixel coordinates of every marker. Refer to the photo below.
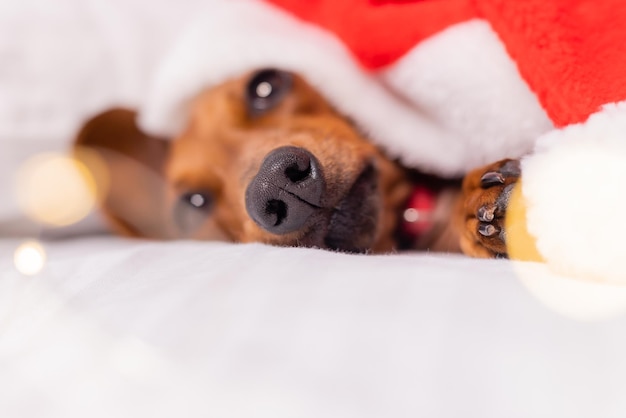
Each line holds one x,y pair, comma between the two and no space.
192,210
266,89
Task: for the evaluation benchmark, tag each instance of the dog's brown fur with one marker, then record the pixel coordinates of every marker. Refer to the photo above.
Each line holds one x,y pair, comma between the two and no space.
221,150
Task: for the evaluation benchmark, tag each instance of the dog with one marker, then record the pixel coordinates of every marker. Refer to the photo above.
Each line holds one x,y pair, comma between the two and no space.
265,158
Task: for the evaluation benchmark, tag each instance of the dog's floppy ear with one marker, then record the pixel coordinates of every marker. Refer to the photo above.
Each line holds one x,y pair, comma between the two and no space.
128,168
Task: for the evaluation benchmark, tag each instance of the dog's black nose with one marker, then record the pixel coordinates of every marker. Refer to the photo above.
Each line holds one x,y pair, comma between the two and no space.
286,191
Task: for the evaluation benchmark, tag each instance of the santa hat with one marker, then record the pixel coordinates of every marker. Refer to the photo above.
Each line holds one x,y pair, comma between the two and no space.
447,86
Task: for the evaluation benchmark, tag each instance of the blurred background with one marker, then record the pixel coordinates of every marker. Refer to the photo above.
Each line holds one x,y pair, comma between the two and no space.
64,60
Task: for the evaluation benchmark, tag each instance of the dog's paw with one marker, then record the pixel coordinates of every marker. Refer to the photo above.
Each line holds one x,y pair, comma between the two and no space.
486,194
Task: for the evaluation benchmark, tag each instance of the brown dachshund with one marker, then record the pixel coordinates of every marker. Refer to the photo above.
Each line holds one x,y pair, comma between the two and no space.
265,158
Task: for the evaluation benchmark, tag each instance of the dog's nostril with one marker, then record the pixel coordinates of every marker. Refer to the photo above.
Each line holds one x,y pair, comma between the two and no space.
296,173
278,208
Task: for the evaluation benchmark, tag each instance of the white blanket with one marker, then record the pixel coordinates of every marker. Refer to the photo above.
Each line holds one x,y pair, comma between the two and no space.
119,328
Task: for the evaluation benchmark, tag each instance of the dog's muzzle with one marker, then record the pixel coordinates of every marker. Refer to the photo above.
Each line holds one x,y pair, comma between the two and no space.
286,191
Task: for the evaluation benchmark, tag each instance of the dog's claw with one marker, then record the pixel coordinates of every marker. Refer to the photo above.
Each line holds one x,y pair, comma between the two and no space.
487,230
511,168
486,213
487,193
491,178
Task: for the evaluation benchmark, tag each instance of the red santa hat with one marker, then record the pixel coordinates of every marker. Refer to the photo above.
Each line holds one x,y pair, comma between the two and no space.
447,86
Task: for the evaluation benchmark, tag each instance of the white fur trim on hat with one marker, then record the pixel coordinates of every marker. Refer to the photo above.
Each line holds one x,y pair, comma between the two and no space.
469,84
234,37
574,187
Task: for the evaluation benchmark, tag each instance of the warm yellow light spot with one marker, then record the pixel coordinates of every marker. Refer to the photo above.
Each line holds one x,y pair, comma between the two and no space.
520,244
29,258
55,189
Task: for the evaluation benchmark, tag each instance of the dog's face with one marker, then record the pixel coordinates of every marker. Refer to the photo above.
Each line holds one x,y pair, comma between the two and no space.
263,158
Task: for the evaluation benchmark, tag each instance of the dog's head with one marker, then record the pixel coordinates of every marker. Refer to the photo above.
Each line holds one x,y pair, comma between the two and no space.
263,158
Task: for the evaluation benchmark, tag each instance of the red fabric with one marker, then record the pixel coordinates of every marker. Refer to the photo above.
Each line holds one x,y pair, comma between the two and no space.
378,32
572,53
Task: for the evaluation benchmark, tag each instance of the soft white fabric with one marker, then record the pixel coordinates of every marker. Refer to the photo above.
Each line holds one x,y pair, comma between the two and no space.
471,88
574,186
129,329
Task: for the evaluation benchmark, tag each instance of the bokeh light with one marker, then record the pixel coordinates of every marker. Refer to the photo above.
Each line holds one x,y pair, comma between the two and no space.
55,189
29,258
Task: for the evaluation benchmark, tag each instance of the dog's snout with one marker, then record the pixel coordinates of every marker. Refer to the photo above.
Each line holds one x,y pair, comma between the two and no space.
286,191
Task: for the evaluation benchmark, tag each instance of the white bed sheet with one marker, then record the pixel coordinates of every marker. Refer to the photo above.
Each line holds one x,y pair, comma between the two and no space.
120,328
